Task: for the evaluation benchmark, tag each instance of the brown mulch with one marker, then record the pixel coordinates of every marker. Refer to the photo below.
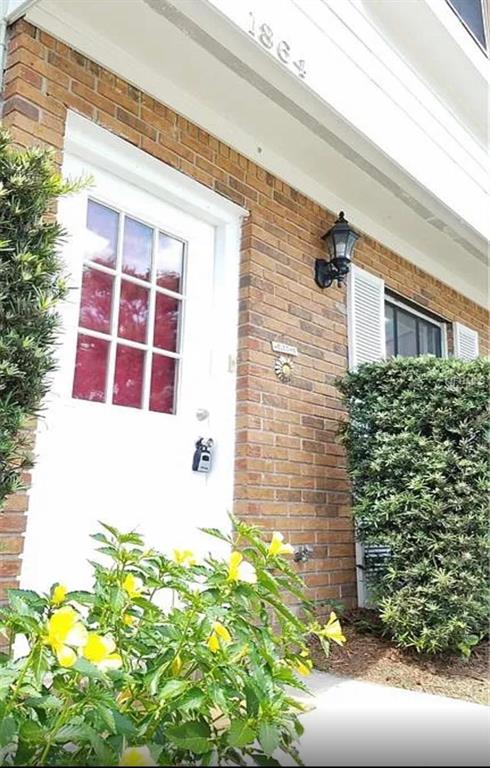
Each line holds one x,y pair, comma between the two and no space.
367,656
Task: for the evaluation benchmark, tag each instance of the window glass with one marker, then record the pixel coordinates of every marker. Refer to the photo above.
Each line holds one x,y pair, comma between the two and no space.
101,234
137,246
429,339
408,334
90,368
390,330
163,375
128,377
120,297
133,311
169,263
96,300
471,14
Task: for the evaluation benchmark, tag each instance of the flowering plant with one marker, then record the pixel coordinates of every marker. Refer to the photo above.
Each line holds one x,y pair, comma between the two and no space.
113,678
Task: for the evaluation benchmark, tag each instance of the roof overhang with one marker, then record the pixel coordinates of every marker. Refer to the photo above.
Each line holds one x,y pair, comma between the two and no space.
361,132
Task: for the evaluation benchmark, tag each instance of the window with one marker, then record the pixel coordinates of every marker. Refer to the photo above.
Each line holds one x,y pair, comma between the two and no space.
409,333
472,14
128,346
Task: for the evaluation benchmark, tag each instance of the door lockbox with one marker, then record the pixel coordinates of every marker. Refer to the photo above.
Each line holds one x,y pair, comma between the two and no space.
202,455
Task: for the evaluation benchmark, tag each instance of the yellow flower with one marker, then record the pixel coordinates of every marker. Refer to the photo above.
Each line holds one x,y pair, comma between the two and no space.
240,570
304,668
65,631
222,632
99,650
129,620
139,756
333,631
213,642
219,633
184,557
133,585
276,547
59,594
176,665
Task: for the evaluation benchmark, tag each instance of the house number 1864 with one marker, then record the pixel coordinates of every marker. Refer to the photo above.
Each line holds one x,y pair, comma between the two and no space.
265,36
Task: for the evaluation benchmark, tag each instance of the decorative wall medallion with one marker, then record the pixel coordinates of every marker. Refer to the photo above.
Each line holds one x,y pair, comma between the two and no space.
283,369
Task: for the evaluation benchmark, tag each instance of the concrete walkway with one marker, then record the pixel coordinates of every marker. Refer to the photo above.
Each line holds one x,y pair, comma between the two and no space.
363,724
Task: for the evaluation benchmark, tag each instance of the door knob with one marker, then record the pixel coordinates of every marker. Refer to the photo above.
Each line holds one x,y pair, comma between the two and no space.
202,414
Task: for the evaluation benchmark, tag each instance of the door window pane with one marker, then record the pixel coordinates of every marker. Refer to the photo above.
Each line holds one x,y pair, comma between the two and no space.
162,393
114,350
406,334
390,330
137,245
167,311
101,234
133,311
96,300
169,261
128,378
90,368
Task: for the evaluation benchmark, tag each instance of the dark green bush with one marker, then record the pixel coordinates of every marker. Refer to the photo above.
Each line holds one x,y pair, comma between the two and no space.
417,449
31,283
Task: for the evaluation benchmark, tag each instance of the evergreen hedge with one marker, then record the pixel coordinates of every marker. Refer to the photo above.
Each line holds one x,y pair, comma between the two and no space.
31,284
417,449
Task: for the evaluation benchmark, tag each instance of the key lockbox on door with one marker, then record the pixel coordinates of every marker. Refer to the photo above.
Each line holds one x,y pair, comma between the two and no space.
202,455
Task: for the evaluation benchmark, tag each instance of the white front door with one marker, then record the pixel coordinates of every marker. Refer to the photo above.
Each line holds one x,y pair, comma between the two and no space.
136,383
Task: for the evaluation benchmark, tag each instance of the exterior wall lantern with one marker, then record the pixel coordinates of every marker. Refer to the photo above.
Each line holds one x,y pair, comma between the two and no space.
340,241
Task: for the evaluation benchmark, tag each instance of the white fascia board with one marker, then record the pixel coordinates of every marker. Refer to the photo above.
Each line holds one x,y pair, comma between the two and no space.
14,9
345,75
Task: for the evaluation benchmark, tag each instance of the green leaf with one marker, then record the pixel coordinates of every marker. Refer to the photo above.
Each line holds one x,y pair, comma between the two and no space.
8,730
264,760
31,731
124,725
172,689
81,596
240,733
193,736
87,669
75,731
269,737
193,699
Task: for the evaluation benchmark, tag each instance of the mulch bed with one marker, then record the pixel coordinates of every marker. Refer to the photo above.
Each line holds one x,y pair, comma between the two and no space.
368,656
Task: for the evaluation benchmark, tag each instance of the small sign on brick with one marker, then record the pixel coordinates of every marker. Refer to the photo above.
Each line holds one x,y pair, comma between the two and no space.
284,349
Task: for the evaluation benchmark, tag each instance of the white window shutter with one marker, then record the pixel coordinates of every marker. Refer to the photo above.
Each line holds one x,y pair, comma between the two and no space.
367,343
366,317
465,342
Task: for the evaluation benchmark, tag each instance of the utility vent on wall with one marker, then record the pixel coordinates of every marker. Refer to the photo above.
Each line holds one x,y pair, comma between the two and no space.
465,342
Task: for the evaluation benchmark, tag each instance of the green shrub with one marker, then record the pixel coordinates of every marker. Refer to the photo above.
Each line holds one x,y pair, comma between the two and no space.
31,283
165,662
417,449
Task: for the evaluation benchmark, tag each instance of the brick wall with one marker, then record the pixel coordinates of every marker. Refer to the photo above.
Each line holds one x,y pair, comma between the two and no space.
290,469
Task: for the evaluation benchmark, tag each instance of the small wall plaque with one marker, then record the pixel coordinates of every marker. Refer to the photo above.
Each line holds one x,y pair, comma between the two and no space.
284,349
283,368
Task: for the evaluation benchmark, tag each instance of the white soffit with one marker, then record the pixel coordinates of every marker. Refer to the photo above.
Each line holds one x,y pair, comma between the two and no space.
164,61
